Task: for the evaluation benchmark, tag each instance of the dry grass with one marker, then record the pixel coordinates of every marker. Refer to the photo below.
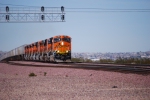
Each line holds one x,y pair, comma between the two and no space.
32,74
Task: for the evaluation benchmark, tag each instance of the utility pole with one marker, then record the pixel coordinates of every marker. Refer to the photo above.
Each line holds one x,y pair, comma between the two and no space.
32,14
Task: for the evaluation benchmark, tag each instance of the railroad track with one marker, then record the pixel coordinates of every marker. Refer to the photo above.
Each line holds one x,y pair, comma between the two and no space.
127,68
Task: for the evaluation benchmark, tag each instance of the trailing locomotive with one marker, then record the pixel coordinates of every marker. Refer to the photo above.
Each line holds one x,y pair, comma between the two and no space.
54,49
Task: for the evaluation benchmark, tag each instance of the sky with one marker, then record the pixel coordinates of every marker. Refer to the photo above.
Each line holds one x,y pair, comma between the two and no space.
90,31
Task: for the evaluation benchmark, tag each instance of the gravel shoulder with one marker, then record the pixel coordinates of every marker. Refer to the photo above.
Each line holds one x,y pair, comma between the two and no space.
70,84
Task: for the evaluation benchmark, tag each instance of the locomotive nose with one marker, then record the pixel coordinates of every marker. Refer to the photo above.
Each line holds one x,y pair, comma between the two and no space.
63,48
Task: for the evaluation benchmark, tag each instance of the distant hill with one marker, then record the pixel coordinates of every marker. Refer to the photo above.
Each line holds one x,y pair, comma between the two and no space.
2,53
147,52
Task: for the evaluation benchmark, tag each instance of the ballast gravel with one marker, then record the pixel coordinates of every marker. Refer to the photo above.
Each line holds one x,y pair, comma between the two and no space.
52,83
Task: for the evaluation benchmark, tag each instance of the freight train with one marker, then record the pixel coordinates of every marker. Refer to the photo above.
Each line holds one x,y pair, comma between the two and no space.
54,49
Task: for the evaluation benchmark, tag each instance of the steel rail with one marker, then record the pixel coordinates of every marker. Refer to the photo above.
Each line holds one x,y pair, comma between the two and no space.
89,66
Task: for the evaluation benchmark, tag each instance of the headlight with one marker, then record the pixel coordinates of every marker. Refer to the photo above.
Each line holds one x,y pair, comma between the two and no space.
62,43
57,51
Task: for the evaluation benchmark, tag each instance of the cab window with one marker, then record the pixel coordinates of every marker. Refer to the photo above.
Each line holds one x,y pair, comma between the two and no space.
50,40
57,40
66,39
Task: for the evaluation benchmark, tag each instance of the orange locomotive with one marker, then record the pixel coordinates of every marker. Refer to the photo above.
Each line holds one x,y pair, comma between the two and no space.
54,49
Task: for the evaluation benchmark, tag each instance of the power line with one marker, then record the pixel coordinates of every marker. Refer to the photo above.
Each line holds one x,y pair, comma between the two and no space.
97,10
23,5
84,8
103,11
106,9
17,5
90,10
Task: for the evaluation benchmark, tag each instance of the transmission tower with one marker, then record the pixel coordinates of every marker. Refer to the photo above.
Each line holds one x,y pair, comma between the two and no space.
32,14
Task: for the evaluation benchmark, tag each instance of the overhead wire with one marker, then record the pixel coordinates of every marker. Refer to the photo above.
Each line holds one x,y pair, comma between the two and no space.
90,10
105,10
17,5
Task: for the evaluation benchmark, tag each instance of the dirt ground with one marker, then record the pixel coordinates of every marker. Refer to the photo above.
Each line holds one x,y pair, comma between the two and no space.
70,84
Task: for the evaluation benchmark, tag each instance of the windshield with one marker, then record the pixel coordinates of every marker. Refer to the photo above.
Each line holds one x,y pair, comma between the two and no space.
66,39
49,40
57,40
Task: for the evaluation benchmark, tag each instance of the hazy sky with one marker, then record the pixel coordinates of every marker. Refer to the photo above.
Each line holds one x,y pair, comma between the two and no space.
90,31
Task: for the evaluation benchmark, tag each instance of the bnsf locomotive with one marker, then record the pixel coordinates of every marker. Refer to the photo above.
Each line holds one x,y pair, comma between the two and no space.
54,49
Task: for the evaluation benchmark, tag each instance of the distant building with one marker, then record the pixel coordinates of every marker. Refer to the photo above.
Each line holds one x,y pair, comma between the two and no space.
95,59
